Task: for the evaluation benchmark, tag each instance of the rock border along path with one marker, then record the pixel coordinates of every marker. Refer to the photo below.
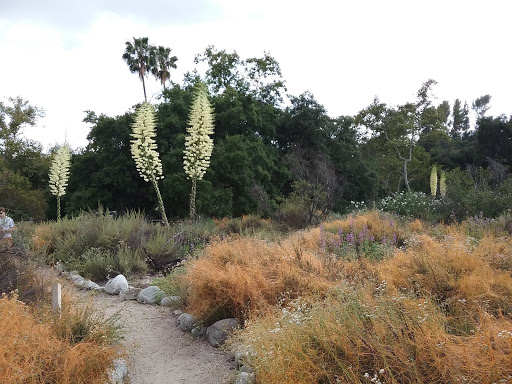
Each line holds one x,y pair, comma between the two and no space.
158,352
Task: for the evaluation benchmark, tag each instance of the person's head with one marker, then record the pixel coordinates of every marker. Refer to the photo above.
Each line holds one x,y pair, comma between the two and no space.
2,211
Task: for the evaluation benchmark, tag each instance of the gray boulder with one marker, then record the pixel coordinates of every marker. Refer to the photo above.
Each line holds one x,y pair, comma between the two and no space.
119,372
116,285
77,280
245,378
150,295
219,331
129,294
187,322
88,284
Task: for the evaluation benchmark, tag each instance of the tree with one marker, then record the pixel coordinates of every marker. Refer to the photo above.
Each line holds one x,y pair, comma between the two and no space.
59,173
14,116
401,127
198,144
140,58
481,105
144,152
163,62
24,167
223,69
494,139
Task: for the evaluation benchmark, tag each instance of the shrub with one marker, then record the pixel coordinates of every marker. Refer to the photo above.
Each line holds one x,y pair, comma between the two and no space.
454,272
474,193
355,336
33,353
242,277
368,235
417,205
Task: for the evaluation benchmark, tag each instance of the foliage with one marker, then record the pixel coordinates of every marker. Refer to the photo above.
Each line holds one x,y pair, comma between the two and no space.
416,205
97,245
473,193
33,352
246,277
427,313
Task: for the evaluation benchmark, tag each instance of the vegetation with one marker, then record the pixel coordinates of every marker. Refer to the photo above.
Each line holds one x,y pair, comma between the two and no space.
78,346
417,290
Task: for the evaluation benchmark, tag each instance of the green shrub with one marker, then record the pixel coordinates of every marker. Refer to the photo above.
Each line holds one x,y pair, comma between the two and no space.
417,205
473,193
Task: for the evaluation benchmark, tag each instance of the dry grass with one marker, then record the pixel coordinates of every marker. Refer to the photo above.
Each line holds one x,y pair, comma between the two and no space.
457,273
437,310
31,352
243,277
355,336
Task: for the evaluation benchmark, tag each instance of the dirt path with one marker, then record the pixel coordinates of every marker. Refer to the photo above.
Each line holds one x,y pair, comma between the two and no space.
158,351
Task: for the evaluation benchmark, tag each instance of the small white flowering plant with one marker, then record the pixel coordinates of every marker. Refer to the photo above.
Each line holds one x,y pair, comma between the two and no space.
144,150
59,173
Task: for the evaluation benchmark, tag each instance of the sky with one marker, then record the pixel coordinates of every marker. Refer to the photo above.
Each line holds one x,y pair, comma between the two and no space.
65,55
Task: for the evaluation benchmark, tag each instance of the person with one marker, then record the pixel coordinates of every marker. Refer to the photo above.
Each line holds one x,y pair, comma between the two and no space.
6,227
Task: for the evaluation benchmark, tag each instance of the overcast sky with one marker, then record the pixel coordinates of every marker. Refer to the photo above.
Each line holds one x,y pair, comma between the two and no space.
65,55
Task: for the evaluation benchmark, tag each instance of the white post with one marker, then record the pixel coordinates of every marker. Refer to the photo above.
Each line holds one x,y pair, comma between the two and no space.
56,298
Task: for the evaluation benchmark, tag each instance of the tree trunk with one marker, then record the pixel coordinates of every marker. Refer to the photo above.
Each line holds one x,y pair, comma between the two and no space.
58,208
406,179
144,87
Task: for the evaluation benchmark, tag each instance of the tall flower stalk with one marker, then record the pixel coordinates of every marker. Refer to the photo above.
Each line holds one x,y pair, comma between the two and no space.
198,143
59,173
144,151
442,184
433,181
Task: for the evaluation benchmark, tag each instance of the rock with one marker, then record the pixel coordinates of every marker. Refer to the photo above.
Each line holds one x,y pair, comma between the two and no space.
198,331
245,378
150,295
115,285
59,268
118,374
129,294
88,284
246,368
177,312
187,322
219,331
171,301
77,280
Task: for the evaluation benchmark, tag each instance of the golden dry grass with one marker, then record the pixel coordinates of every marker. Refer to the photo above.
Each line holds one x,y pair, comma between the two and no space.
30,352
438,310
242,277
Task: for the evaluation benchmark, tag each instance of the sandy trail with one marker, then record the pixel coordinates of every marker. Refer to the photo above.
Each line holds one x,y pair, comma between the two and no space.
158,351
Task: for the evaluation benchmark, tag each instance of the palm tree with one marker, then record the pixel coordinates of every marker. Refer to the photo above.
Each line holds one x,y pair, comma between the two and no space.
140,58
163,63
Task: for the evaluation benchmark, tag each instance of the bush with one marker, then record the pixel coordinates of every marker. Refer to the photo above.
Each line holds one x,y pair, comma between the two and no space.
33,353
417,205
473,193
97,245
355,336
243,277
368,235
